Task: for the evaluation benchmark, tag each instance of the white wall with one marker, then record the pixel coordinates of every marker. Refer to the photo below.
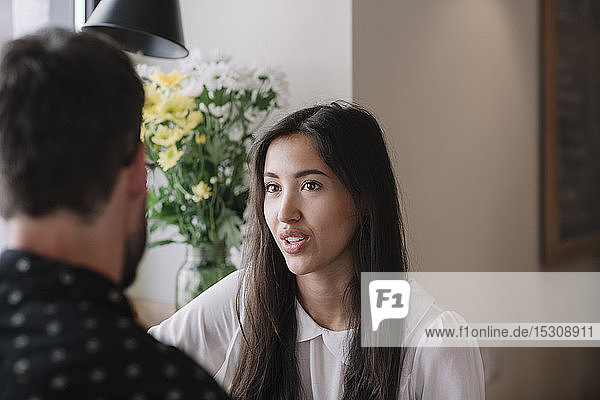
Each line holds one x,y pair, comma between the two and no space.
5,20
311,40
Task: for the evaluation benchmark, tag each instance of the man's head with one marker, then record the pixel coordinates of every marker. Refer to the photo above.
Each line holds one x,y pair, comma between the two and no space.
70,112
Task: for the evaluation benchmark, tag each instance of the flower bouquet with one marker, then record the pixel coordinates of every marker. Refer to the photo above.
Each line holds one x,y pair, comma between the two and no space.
197,125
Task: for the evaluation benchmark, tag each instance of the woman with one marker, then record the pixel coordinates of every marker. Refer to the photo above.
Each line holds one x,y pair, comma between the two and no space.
323,209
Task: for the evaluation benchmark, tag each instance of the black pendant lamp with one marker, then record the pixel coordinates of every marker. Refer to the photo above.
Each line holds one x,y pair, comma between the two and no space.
152,27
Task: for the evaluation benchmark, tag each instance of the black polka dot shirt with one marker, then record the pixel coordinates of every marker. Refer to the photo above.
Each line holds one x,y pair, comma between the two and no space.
69,333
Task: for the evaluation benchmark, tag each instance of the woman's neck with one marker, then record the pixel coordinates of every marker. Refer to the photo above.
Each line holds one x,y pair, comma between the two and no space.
322,297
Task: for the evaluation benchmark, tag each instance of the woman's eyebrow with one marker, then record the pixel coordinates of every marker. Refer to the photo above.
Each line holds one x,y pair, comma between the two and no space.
298,174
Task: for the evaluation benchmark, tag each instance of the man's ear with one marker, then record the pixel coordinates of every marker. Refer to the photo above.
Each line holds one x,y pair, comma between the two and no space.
136,172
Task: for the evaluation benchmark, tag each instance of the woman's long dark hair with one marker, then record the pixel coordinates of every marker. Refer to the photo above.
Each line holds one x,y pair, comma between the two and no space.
350,141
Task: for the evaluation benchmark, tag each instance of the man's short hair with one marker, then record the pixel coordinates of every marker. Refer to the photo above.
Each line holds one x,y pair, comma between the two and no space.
70,114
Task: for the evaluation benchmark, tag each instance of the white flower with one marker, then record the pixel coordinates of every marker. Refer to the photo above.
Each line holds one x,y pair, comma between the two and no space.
194,58
219,111
192,87
235,133
255,116
213,180
145,70
218,55
216,75
275,80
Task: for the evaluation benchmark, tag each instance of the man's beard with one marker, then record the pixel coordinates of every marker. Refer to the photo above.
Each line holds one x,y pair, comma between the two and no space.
134,250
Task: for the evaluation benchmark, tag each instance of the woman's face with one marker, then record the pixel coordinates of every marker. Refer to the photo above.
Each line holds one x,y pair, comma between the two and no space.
308,210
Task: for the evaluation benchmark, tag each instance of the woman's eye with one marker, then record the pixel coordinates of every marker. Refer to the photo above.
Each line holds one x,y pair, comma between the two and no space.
311,186
271,188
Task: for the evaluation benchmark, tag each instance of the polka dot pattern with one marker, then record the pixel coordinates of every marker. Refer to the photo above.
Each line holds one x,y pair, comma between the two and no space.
123,323
174,394
114,296
90,323
97,375
133,371
83,305
53,328
93,345
70,332
50,309
21,341
59,382
17,319
130,344
66,278
14,297
23,265
170,371
58,355
21,366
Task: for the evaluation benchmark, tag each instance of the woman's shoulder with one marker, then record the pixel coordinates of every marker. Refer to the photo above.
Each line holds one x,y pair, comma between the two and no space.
445,369
204,328
451,368
427,320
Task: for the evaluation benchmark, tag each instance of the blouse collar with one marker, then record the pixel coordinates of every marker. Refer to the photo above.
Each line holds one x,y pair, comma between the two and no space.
308,329
335,341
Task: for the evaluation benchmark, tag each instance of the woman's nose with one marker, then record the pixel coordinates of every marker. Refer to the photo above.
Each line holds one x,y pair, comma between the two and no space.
289,210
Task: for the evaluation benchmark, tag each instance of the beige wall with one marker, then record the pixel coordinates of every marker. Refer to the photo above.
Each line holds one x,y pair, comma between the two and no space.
456,84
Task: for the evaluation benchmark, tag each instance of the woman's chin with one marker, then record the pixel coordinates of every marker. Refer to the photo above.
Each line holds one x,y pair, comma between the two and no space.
298,268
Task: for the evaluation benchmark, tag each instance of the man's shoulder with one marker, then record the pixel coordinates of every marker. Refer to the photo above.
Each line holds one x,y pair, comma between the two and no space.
166,369
83,349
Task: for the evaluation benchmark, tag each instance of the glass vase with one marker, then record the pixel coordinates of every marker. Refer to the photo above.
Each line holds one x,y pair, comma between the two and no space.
204,265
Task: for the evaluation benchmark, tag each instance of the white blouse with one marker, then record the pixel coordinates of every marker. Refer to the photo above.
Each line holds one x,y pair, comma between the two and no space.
207,329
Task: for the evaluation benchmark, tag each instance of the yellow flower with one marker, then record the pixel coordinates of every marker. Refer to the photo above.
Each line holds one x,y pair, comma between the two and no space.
145,133
153,99
201,139
172,79
193,119
169,157
176,107
201,192
165,136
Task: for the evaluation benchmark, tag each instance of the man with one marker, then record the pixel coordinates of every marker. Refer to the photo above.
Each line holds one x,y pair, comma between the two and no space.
72,192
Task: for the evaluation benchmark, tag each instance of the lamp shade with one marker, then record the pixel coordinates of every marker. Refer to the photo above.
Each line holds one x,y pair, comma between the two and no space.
150,26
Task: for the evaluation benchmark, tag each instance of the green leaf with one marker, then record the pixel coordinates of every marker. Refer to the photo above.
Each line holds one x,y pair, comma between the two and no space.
157,243
228,229
216,149
203,98
152,199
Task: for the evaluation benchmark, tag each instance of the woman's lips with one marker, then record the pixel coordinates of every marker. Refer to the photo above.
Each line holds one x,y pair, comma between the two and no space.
293,242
